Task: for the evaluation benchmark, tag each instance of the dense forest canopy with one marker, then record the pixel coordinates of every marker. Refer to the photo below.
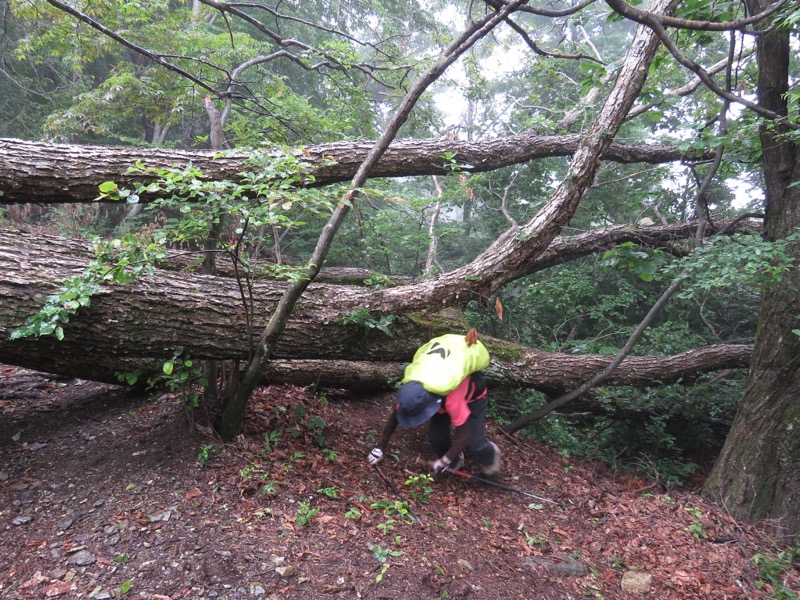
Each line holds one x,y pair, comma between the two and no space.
578,179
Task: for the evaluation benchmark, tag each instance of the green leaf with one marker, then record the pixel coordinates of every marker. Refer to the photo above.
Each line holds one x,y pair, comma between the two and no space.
168,367
107,187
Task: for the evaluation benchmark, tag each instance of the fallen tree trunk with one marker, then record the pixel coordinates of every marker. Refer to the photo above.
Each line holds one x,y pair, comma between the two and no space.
58,173
137,327
514,366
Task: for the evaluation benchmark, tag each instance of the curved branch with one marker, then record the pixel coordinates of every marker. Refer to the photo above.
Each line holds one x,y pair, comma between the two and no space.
520,245
654,23
645,18
224,7
536,49
156,58
330,62
496,4
690,87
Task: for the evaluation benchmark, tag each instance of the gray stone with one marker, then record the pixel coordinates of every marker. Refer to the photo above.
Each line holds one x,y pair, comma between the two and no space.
636,582
257,588
84,558
560,564
19,521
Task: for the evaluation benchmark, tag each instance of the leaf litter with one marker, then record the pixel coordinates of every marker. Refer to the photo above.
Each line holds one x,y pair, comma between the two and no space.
107,494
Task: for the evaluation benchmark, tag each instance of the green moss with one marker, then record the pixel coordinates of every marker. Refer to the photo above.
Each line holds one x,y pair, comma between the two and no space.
505,351
449,320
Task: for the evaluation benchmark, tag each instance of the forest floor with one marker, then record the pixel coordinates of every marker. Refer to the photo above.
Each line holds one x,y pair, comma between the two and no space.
106,494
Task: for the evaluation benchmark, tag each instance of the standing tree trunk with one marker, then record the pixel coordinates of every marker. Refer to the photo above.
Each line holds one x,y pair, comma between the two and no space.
757,475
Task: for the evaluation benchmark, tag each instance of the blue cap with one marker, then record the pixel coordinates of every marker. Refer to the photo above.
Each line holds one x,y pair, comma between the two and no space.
415,404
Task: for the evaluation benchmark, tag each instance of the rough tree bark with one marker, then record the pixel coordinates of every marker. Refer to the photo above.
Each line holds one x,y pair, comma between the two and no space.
58,173
138,326
757,475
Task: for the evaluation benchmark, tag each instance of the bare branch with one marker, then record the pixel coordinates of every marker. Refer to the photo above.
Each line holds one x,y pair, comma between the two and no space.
688,88
542,12
156,58
655,24
643,17
330,61
535,47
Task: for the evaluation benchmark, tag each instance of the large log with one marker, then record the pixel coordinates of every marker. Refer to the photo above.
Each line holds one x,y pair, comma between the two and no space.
137,326
57,173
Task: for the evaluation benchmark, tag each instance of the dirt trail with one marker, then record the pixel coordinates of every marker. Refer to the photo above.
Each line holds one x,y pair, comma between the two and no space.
104,495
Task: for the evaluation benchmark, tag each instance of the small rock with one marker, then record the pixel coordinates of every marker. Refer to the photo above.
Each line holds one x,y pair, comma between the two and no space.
35,447
636,582
65,523
26,497
84,558
19,521
464,564
257,588
3,476
162,515
562,564
59,588
286,571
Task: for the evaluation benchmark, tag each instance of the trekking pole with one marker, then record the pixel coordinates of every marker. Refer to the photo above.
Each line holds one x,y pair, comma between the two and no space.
498,485
392,487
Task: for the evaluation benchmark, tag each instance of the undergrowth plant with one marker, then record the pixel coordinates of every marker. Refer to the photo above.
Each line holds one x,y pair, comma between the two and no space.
420,487
393,508
383,555
773,571
660,431
305,514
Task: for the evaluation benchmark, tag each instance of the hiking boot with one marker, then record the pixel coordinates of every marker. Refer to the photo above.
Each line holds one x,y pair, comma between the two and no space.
493,468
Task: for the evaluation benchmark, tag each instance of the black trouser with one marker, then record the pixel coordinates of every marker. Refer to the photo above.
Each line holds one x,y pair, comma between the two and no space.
479,447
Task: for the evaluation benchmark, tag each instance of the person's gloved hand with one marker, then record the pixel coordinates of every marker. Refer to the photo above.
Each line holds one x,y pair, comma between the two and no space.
440,465
375,456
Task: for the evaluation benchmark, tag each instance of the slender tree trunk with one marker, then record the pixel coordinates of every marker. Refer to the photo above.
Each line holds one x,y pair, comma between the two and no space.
433,237
757,475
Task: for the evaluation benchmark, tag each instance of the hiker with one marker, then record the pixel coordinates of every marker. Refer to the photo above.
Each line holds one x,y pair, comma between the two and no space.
464,408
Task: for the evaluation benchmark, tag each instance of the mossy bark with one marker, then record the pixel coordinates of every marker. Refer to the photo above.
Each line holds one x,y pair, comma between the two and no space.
757,476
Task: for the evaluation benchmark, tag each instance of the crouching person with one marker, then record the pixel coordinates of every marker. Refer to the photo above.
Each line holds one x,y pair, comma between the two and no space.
463,410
